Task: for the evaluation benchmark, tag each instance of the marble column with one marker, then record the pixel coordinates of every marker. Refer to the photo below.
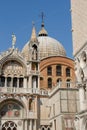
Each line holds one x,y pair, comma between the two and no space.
35,125
17,82
30,125
25,82
26,125
12,82
38,82
11,87
30,82
5,81
82,97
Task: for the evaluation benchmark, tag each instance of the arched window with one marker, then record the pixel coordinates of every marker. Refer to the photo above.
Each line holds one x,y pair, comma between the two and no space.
34,82
15,82
2,81
49,83
58,70
68,81
21,82
48,128
9,82
43,128
59,81
34,52
49,70
31,105
67,72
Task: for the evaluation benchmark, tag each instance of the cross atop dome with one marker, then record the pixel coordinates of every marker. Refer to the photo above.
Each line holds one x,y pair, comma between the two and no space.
42,16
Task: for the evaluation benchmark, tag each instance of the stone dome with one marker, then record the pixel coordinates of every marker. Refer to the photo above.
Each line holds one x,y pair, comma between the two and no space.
50,47
47,46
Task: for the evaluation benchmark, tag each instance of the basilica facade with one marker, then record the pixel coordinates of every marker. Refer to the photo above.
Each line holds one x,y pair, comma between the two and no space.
38,89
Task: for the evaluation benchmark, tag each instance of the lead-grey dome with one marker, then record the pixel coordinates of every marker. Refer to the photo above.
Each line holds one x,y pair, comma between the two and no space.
50,47
47,46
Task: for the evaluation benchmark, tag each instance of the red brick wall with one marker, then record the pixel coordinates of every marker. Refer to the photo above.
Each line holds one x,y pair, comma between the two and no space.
53,62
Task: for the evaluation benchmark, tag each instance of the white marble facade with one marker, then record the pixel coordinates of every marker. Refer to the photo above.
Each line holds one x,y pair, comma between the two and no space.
23,105
79,29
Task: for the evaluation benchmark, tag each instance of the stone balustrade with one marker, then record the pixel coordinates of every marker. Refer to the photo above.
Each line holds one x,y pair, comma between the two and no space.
23,90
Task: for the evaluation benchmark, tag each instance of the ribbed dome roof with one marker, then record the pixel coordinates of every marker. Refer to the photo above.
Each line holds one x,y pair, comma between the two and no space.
50,47
47,46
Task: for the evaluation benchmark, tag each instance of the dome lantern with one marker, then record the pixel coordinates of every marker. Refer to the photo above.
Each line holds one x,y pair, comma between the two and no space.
43,31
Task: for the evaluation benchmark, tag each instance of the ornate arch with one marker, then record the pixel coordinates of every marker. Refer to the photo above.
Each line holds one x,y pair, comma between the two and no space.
18,63
12,108
20,102
13,58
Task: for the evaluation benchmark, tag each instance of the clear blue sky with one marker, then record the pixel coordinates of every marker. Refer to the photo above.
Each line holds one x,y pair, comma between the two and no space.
17,16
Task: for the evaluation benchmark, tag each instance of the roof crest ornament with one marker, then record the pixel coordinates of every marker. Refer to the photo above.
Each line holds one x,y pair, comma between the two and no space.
13,41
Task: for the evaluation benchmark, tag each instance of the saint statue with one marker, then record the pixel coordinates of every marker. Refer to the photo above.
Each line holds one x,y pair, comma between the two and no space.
13,40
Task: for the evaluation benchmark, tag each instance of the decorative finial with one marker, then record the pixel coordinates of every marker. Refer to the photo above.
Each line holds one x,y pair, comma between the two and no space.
13,41
33,23
42,32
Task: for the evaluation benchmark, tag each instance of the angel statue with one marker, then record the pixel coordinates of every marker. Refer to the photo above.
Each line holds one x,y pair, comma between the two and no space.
13,40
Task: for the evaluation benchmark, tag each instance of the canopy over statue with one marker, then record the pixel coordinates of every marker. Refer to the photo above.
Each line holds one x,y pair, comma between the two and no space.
13,40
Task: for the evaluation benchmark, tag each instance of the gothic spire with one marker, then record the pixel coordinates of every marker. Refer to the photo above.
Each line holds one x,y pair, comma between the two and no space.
33,35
